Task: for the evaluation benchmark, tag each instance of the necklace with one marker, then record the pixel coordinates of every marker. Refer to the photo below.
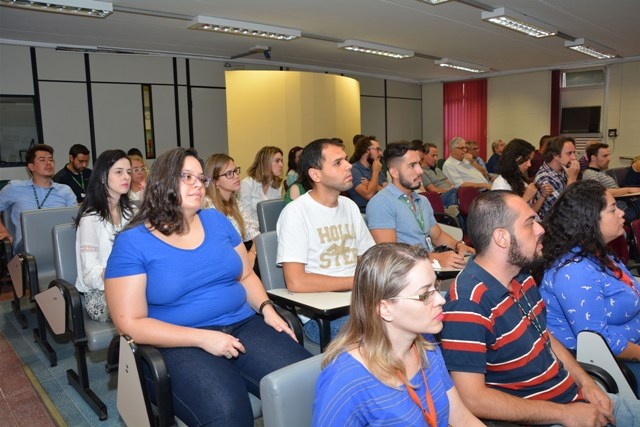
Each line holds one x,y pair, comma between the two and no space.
35,193
429,416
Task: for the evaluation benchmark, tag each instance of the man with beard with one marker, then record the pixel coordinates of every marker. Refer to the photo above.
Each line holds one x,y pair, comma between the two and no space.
39,192
399,214
321,234
76,174
503,360
368,176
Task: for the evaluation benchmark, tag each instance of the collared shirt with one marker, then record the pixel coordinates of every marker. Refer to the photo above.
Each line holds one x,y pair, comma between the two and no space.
504,336
460,171
359,171
558,180
492,163
19,196
391,209
434,176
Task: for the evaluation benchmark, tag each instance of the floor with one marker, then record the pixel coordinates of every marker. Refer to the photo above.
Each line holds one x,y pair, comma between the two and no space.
20,349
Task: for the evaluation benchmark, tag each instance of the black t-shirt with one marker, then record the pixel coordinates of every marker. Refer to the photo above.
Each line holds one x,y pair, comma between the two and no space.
78,182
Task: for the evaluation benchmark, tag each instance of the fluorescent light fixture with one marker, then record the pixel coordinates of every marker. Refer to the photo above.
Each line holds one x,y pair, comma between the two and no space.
375,49
591,48
461,65
91,8
243,28
518,22
434,1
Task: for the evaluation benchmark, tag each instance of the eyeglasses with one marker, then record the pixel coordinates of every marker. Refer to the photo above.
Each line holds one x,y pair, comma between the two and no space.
465,148
139,169
230,174
425,297
190,179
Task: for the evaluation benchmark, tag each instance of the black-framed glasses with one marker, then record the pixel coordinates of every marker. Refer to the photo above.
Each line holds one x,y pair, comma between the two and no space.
425,297
190,179
230,174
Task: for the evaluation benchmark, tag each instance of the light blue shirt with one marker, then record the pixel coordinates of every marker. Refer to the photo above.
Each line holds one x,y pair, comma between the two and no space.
390,208
19,197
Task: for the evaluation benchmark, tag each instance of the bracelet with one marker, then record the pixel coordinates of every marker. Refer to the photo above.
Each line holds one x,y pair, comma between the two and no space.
264,304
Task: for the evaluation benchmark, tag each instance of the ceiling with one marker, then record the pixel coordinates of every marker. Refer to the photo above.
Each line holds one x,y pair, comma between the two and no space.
453,29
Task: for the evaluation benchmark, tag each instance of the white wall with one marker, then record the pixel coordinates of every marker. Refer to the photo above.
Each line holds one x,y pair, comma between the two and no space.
388,109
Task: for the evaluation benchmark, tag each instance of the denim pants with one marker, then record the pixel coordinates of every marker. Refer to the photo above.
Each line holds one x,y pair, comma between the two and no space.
450,197
212,390
312,330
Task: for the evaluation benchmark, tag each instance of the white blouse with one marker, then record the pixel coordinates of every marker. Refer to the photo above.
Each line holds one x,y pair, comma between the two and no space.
251,193
251,229
94,240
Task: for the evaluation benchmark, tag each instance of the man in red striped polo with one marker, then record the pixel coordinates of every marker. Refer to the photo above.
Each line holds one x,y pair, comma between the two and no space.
503,360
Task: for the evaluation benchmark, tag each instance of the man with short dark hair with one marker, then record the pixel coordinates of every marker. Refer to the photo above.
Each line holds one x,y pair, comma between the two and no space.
39,192
399,214
504,362
76,174
368,176
433,179
599,157
560,169
321,234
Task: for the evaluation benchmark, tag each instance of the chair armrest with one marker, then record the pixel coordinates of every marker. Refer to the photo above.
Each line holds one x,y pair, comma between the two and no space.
29,274
293,321
445,218
601,377
154,361
6,251
75,310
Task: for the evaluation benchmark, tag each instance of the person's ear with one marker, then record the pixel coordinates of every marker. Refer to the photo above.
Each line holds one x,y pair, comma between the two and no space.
314,174
384,312
501,237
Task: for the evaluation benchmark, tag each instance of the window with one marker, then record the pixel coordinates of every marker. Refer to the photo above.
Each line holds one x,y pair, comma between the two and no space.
18,129
582,78
147,111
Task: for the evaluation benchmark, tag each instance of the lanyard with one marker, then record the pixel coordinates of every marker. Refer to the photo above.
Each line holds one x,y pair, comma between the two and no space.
430,416
76,181
416,214
38,204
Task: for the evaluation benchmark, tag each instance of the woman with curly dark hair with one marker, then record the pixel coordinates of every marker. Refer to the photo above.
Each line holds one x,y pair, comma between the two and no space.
179,278
584,286
512,167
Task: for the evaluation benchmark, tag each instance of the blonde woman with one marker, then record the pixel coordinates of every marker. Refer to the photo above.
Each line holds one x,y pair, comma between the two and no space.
264,181
138,178
384,368
221,195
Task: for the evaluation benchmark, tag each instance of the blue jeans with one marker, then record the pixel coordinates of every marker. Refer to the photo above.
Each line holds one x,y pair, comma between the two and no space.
635,368
212,390
312,330
450,197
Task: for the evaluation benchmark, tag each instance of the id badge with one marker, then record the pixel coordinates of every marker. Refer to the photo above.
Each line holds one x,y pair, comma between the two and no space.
427,239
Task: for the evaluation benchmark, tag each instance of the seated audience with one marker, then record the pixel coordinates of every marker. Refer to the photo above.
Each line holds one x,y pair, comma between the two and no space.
560,168
384,368
585,287
632,179
459,170
39,192
321,234
537,159
584,160
103,214
292,164
495,342
497,147
138,178
264,181
76,174
222,195
368,176
599,157
434,180
399,214
513,165
178,278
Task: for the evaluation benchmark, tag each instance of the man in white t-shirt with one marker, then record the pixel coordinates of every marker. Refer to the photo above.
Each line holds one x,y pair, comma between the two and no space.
321,234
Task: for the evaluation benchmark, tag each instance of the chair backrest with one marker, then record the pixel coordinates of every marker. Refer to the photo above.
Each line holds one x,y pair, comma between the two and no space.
434,200
37,241
267,248
593,349
635,231
440,163
620,246
64,252
466,195
455,232
287,394
618,174
268,213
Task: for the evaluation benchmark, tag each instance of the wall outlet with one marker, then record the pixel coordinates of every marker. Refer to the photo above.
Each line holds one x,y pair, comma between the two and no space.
613,133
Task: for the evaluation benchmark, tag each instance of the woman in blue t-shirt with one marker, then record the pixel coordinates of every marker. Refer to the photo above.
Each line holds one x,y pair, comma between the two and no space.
380,370
178,278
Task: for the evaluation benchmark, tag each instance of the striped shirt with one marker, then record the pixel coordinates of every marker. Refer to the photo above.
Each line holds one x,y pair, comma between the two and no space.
504,336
